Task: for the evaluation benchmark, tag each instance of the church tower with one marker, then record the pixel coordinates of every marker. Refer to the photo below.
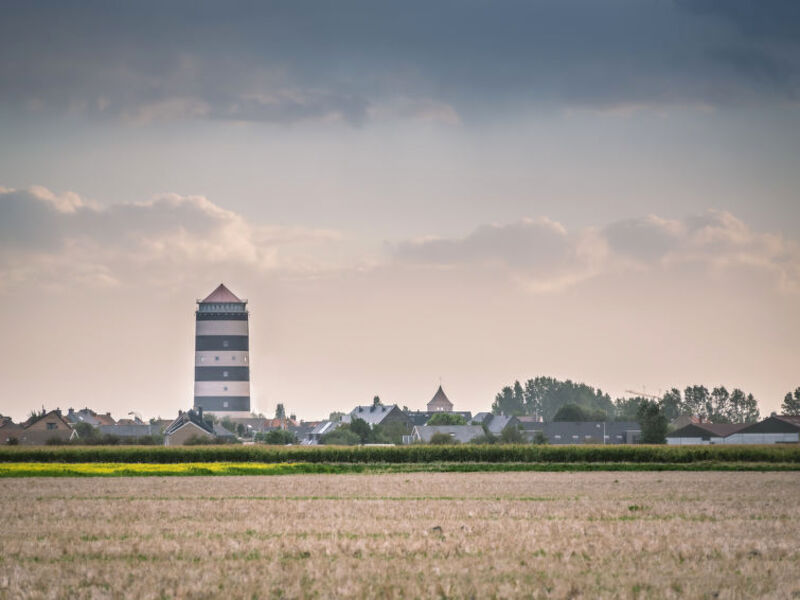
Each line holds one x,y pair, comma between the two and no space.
222,357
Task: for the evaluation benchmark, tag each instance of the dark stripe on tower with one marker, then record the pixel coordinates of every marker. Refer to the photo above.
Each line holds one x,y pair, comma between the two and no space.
221,342
217,403
222,316
222,373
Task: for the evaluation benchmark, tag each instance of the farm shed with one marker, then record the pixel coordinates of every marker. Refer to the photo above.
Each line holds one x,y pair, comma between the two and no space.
703,434
777,429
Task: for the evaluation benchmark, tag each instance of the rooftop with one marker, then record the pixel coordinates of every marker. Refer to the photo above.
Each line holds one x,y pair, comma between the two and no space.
222,295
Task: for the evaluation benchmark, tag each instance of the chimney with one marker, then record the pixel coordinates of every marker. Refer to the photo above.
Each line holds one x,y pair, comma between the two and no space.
200,412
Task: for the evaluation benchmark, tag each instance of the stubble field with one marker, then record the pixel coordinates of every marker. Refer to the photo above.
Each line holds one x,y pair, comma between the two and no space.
479,535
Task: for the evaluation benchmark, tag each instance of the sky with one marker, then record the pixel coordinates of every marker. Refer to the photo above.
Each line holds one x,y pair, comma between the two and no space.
466,192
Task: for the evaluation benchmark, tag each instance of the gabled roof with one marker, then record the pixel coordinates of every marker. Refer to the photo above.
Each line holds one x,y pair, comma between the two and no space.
776,424
372,413
440,397
707,429
221,295
53,413
185,418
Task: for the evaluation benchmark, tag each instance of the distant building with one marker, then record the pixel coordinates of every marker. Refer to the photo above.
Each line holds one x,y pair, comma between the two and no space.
495,423
703,433
584,432
188,425
459,433
378,414
51,426
312,437
777,429
222,355
86,415
440,402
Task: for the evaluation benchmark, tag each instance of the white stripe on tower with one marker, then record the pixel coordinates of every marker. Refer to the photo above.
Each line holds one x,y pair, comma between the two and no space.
232,358
222,369
222,328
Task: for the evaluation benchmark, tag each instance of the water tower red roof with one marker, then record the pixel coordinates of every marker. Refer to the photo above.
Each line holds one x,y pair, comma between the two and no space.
221,295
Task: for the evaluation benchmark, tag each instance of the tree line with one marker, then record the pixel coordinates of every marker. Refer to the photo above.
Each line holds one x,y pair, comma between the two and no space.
549,399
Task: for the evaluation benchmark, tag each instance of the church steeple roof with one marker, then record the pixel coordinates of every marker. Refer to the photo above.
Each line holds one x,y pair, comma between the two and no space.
440,401
222,295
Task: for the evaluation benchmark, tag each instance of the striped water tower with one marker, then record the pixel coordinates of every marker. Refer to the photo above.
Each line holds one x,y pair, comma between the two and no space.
222,357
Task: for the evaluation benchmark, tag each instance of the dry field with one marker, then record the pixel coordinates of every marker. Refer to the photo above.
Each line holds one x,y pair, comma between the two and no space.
422,535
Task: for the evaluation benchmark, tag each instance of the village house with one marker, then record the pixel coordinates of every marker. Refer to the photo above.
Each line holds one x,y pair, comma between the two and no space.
86,415
49,427
378,414
188,425
495,424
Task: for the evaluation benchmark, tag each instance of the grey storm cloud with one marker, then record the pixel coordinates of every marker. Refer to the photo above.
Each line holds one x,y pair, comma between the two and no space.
290,61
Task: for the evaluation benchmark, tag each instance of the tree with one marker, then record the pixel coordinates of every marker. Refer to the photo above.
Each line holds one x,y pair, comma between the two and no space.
510,401
742,408
280,411
440,438
342,436
446,419
362,429
574,412
570,412
653,422
697,401
86,432
376,401
791,403
280,437
627,409
335,416
540,438
228,424
511,435
393,432
672,403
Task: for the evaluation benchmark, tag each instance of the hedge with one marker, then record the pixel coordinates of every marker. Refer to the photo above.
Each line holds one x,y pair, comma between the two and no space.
517,453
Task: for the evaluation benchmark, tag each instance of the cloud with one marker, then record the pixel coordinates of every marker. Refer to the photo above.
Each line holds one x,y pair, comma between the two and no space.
44,234
355,60
544,256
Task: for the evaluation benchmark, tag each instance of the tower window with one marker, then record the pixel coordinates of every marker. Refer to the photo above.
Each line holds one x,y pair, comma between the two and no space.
216,358
233,357
224,388
225,404
224,343
224,373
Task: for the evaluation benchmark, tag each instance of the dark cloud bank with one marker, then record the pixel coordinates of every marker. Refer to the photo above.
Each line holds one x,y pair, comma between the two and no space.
293,60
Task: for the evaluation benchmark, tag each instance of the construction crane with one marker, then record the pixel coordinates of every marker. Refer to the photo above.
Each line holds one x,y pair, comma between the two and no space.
643,394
